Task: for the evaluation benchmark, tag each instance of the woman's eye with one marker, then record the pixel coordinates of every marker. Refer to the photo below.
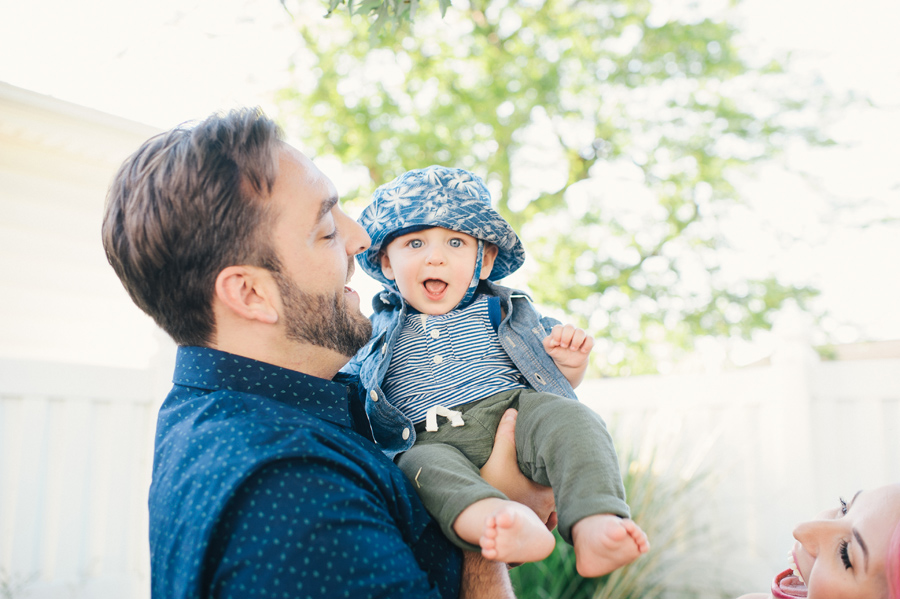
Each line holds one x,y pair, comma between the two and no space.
455,243
843,508
331,235
845,555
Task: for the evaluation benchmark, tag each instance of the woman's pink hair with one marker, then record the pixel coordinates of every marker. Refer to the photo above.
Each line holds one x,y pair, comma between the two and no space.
892,569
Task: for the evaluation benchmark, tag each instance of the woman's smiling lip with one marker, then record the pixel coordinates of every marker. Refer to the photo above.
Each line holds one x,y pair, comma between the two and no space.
784,586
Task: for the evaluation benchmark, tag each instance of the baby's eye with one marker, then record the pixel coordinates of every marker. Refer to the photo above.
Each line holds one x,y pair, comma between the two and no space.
415,243
456,242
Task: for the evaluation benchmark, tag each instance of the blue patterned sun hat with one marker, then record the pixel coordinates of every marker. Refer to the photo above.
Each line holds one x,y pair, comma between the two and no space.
437,196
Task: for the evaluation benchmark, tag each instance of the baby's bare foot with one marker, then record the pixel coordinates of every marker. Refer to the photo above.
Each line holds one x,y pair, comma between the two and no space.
514,534
605,542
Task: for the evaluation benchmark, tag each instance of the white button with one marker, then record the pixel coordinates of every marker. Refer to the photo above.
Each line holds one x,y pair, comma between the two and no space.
405,434
373,395
383,349
437,359
435,334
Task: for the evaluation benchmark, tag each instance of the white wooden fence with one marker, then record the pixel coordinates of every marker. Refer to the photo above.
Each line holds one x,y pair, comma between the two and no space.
75,460
783,441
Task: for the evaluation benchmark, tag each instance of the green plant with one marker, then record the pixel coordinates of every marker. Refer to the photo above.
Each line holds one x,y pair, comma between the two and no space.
13,585
668,497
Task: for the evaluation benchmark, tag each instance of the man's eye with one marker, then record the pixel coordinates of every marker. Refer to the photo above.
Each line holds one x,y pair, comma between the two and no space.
331,235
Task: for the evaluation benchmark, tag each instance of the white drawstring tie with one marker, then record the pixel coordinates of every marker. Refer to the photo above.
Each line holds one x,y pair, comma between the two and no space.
433,412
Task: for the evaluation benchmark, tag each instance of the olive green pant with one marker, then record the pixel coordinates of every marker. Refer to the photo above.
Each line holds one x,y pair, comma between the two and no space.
559,441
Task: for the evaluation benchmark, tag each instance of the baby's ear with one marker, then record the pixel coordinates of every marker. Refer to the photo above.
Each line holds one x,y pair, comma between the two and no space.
487,263
386,269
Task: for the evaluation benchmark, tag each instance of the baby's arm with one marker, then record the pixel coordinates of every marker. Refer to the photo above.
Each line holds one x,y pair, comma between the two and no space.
569,347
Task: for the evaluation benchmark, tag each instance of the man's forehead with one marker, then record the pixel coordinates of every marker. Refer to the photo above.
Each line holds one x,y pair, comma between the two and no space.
320,191
295,160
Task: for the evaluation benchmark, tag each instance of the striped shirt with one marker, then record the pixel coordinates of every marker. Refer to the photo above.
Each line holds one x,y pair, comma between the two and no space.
448,360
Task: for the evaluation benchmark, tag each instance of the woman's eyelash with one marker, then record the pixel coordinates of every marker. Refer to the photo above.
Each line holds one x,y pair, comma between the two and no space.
843,505
845,555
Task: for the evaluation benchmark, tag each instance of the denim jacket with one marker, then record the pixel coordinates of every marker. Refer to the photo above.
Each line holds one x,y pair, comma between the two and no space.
521,332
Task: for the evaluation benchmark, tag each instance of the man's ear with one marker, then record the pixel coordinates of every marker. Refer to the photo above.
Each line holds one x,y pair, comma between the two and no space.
487,262
386,269
249,292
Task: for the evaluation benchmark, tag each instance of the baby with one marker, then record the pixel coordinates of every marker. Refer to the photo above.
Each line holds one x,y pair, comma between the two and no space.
451,351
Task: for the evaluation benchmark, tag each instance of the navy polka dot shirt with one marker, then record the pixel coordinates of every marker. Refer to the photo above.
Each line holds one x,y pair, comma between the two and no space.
262,487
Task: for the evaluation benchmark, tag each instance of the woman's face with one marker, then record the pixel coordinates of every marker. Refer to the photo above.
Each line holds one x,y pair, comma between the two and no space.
842,554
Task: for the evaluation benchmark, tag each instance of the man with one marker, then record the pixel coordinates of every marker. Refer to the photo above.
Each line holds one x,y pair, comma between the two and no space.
264,481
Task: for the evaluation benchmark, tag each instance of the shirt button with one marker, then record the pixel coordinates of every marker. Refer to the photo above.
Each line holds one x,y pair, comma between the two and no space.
373,395
435,334
383,349
405,434
437,359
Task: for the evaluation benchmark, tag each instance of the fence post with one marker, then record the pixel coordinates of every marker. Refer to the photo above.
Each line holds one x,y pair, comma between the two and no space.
794,363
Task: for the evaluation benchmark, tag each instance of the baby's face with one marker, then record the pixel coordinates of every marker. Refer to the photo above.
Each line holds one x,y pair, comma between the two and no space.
433,267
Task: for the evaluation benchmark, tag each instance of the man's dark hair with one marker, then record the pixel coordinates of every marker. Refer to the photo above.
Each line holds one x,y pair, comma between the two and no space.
187,204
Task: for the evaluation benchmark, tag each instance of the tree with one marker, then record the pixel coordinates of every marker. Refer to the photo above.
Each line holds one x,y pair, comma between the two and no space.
607,132
392,14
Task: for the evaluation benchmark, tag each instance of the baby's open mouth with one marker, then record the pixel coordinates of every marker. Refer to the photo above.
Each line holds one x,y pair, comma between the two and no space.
435,286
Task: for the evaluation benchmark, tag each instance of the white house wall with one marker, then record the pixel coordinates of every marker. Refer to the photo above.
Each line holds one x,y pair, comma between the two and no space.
60,299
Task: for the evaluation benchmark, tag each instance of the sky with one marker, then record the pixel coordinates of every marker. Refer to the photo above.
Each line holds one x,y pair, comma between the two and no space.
168,61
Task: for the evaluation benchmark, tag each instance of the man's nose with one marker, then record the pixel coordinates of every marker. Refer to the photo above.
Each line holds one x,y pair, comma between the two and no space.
358,240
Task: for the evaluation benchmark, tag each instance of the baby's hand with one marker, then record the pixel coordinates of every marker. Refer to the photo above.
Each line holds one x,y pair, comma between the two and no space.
570,348
568,345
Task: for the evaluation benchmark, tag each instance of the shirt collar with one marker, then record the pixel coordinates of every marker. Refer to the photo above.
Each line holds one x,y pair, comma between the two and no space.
214,370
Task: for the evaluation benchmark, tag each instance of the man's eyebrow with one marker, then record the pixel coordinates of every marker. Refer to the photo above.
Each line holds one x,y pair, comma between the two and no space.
326,207
862,545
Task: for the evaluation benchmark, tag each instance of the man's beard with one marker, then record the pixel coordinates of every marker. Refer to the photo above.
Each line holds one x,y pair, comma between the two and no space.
321,319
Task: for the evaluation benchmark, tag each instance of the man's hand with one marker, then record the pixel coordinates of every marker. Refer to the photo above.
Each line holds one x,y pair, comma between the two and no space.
483,579
502,472
570,348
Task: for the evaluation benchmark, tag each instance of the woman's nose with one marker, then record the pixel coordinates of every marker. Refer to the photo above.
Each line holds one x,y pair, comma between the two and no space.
813,533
